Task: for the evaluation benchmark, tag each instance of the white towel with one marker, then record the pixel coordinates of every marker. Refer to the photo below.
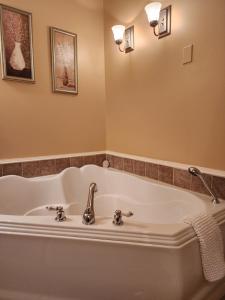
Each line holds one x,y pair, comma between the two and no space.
211,245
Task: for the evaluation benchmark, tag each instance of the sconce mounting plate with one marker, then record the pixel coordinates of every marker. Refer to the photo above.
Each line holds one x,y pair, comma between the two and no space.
165,22
129,39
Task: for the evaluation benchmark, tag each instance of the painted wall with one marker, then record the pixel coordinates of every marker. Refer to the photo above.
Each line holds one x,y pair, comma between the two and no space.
33,120
157,107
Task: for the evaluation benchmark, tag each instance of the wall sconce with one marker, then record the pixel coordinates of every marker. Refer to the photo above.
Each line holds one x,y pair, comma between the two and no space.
126,36
159,17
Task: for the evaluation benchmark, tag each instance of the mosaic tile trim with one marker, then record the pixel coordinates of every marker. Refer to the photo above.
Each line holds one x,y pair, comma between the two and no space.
50,166
177,177
174,176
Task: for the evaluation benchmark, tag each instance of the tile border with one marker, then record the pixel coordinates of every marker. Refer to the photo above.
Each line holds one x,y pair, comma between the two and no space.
163,171
175,176
172,164
48,166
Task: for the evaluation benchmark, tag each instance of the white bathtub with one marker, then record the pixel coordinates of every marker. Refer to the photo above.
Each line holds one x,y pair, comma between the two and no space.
154,255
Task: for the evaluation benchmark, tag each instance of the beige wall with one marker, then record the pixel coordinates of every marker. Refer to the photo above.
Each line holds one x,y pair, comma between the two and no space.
33,120
156,107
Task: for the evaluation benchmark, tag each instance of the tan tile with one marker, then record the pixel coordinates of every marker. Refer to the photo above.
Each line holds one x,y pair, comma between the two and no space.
197,185
182,178
128,165
77,161
61,164
166,174
117,163
47,167
152,171
12,169
90,160
218,186
99,159
139,167
31,169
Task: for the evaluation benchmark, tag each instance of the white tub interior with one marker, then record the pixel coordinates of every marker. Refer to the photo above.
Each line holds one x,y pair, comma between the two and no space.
151,202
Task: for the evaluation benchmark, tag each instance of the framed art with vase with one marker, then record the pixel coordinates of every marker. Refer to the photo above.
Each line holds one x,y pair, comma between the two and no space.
16,44
64,61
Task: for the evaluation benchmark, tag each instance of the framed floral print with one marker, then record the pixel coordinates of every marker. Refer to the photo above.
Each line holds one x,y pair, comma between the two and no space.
64,61
16,44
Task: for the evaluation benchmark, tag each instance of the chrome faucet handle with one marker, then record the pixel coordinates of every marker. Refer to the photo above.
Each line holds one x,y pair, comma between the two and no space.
118,214
60,213
129,214
54,207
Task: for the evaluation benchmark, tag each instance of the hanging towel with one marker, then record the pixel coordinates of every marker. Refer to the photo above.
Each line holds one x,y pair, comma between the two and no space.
211,245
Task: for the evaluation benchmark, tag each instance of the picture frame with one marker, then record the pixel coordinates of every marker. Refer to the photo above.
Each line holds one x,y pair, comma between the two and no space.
64,61
17,55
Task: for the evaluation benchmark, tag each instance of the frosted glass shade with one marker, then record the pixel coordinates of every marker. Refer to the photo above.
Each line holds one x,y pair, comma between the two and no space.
153,11
118,33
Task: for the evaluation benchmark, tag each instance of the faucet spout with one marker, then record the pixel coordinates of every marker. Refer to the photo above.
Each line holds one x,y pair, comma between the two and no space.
89,213
196,172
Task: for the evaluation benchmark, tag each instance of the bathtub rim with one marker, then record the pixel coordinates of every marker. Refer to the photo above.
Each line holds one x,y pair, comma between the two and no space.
174,235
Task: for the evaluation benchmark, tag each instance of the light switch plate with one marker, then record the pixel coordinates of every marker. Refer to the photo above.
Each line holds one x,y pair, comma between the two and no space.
187,54
129,39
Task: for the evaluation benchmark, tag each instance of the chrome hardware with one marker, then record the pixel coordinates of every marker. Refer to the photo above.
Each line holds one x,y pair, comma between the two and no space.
117,218
196,172
105,164
52,207
89,213
60,214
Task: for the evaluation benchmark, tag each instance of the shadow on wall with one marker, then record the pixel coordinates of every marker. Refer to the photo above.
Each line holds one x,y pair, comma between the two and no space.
122,12
90,4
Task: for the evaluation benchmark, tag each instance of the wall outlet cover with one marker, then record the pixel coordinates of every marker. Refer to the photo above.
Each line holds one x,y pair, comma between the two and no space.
187,54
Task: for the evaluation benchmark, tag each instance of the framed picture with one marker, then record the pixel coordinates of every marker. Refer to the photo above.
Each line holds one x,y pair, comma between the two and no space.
64,61
16,44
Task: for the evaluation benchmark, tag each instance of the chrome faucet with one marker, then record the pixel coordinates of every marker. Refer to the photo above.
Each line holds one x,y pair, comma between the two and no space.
89,213
60,214
196,172
117,217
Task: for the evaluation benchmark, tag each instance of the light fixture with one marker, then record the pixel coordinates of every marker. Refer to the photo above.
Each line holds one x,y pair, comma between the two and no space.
160,18
153,11
118,32
126,36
